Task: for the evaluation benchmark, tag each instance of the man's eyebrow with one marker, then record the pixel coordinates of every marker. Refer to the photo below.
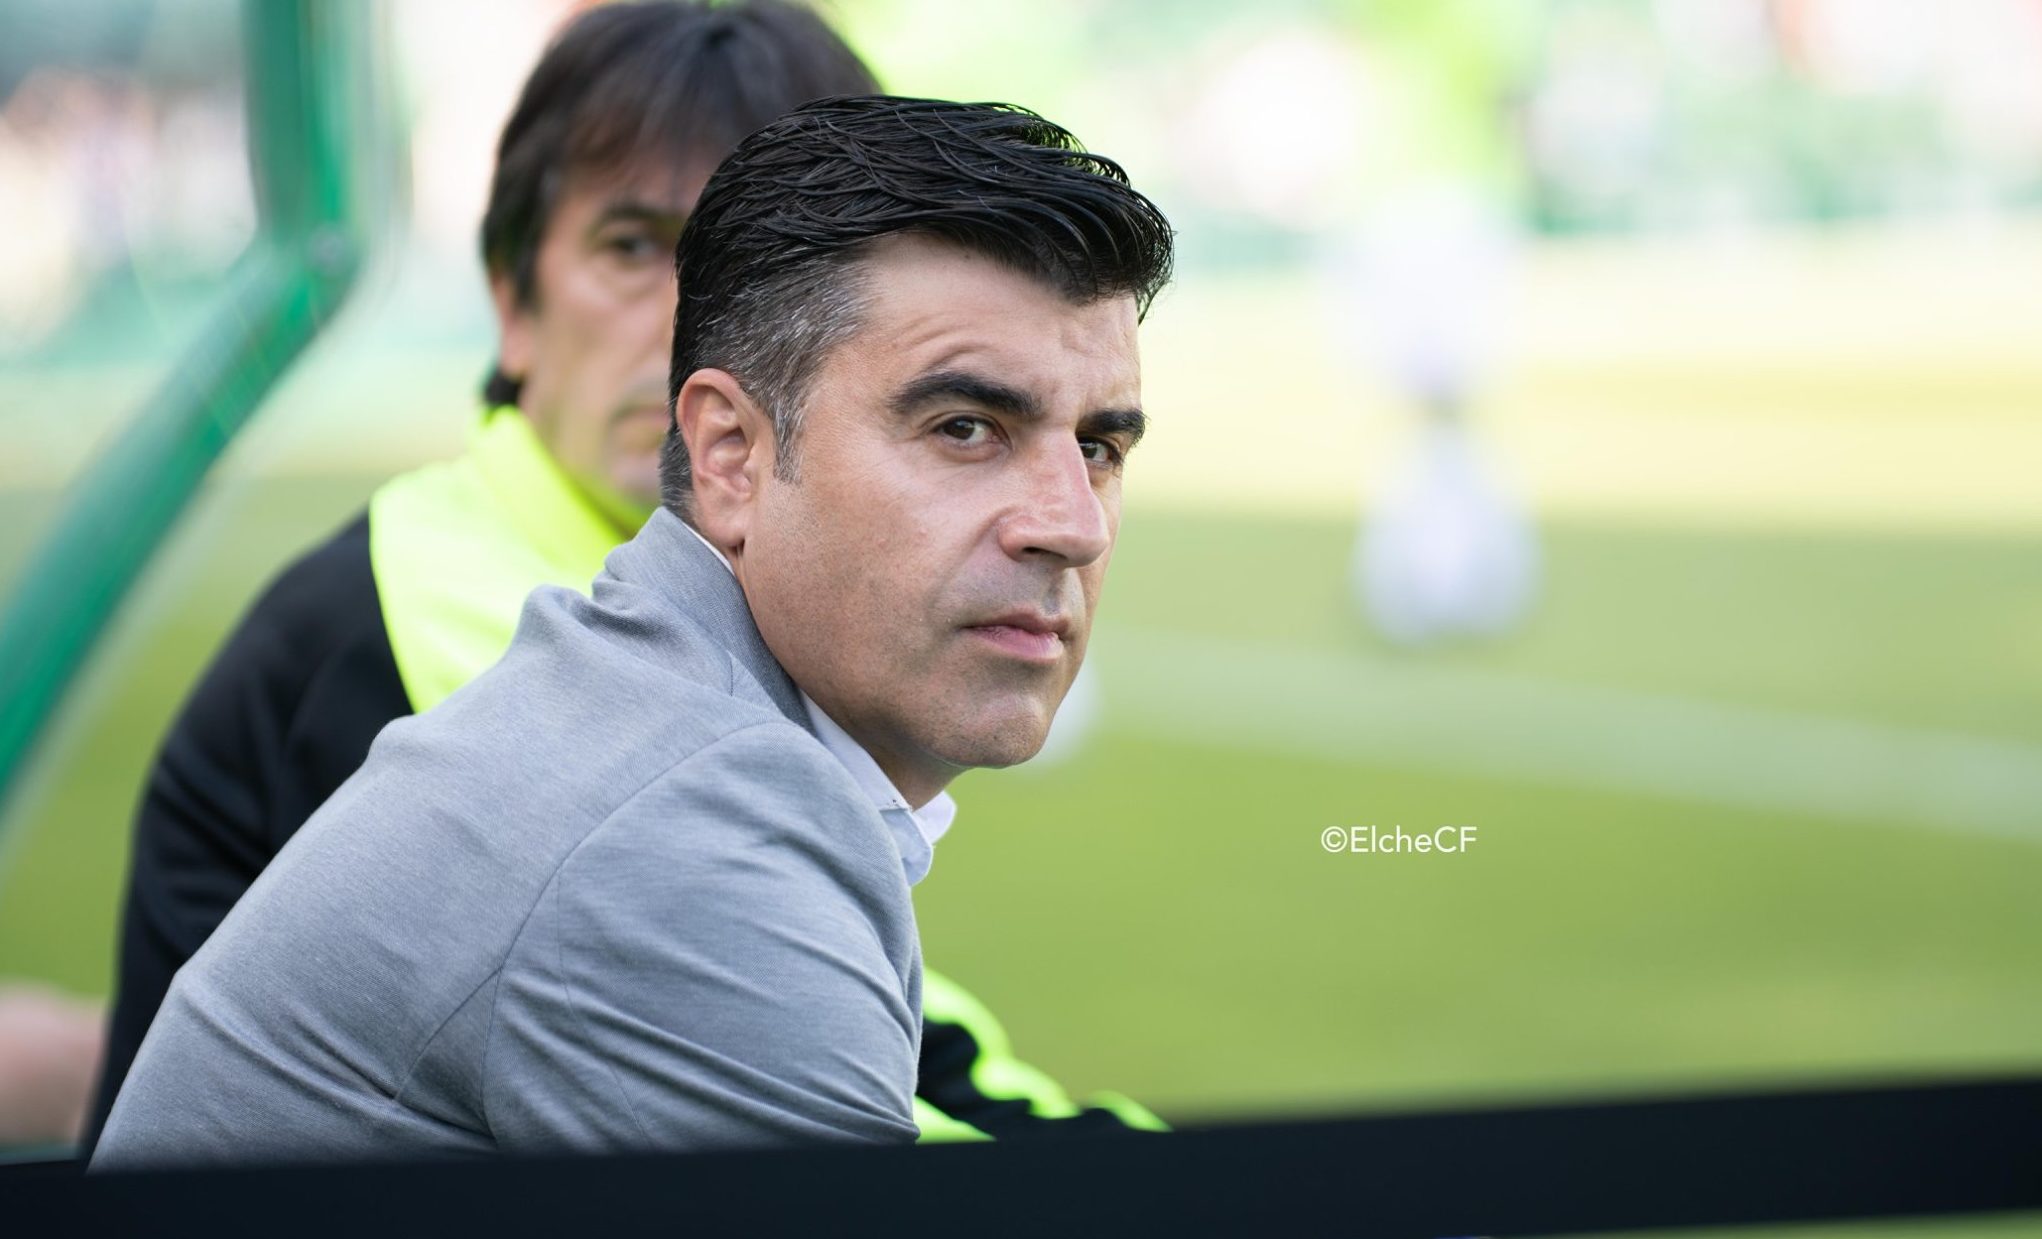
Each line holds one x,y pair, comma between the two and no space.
968,387
1000,398
1129,422
638,212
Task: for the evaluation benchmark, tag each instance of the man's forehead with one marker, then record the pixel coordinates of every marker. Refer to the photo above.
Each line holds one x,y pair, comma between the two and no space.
669,189
1088,353
929,292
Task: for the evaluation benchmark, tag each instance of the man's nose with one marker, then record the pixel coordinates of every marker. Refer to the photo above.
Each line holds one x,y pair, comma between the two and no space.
1059,513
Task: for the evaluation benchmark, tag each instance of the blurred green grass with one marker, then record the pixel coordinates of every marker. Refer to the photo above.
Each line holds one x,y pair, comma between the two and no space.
1157,915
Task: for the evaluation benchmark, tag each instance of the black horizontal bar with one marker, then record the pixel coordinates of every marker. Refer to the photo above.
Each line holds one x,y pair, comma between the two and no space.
1719,1160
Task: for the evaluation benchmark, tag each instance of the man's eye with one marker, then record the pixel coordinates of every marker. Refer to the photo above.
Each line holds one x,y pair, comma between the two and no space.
1102,452
633,247
968,431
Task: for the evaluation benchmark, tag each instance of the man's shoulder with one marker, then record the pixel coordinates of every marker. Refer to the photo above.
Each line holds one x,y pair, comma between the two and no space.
589,672
571,717
588,708
752,771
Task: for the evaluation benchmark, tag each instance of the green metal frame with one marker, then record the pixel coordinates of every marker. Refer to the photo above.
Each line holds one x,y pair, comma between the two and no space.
312,130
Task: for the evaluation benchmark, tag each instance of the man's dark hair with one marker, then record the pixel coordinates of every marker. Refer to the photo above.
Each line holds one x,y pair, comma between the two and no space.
659,84
769,263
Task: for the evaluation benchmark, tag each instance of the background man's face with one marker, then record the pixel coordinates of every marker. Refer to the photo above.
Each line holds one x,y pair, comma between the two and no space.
593,347
929,577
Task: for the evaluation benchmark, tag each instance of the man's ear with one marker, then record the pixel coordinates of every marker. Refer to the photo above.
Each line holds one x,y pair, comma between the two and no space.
730,450
513,327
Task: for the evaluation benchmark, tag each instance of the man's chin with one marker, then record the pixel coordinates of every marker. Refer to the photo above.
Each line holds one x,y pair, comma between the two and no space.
995,745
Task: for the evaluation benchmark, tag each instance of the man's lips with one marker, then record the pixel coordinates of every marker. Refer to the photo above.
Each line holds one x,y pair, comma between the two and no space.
1025,635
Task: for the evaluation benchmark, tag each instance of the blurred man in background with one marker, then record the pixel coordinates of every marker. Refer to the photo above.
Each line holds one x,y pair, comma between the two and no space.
600,163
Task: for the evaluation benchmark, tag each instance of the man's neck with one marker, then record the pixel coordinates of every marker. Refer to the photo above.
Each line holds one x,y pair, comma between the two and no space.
918,791
909,785
918,785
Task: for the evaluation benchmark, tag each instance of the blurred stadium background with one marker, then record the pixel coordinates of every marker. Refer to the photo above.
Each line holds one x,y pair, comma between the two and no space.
1758,776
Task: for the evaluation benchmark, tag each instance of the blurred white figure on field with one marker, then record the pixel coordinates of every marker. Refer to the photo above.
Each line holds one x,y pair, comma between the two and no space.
1447,550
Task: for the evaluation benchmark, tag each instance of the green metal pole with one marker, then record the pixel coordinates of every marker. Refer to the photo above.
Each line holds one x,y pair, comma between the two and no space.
309,79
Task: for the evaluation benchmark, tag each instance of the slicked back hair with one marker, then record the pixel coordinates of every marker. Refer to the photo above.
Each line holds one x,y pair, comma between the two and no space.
656,84
770,263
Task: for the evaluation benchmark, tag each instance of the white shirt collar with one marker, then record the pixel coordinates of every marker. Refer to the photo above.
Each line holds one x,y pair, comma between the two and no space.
915,831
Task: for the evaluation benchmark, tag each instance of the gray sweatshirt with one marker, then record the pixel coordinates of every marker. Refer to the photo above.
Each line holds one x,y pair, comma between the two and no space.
613,894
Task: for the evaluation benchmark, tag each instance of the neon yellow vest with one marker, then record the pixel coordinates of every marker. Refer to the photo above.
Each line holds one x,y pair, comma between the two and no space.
456,546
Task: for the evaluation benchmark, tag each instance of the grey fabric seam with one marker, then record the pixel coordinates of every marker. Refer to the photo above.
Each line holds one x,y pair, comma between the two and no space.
397,1093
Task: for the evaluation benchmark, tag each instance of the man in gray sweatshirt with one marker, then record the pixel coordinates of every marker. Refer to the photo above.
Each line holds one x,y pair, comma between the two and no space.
645,883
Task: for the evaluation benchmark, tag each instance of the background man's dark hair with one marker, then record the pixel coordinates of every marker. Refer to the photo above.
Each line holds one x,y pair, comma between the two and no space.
657,85
769,263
